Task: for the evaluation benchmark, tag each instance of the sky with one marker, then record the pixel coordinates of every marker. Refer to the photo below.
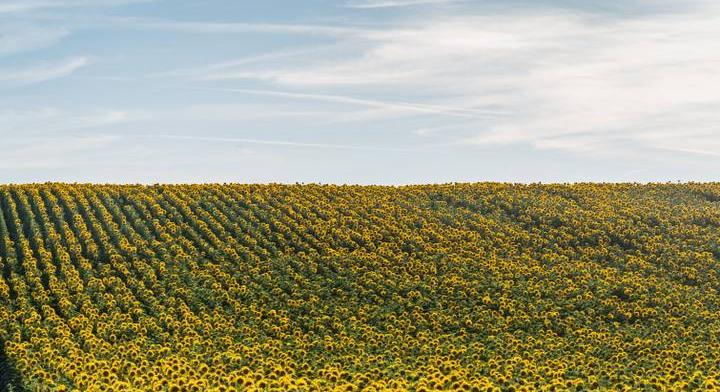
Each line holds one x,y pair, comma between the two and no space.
359,91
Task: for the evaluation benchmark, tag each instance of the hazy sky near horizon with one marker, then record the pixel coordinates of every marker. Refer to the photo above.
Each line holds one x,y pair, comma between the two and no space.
359,91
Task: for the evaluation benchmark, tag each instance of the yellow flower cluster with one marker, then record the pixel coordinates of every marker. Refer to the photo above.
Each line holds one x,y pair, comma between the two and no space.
470,287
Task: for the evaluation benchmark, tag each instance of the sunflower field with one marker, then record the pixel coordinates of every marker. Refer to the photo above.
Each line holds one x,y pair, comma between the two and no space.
469,287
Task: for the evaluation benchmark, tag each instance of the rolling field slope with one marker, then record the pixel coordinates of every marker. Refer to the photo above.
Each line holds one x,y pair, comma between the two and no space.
309,287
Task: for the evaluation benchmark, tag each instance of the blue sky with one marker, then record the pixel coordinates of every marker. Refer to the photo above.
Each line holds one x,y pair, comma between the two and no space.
359,91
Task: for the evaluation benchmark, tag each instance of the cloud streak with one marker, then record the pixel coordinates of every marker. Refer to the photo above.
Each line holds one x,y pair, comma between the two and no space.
403,106
372,4
262,58
25,38
43,72
278,143
555,79
48,121
51,152
203,27
12,6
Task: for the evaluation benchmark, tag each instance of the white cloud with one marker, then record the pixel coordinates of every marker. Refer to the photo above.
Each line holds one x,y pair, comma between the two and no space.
48,138
262,58
231,27
23,38
369,4
51,152
49,121
713,153
566,80
286,143
391,105
15,6
43,72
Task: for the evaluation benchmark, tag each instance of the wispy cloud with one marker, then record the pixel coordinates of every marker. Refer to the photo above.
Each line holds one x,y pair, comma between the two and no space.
369,4
712,153
50,121
16,38
43,72
277,143
553,79
532,78
50,152
202,27
263,58
14,6
405,106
